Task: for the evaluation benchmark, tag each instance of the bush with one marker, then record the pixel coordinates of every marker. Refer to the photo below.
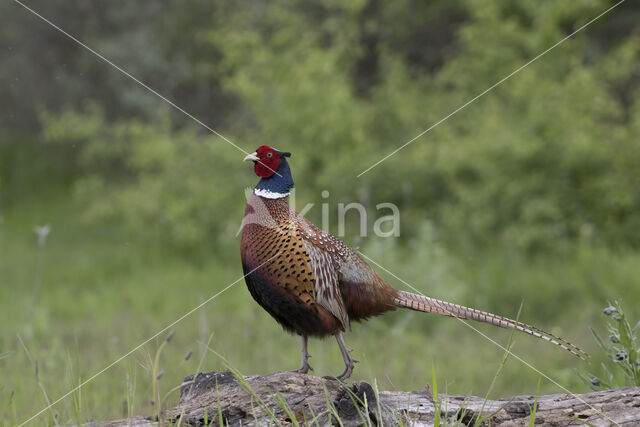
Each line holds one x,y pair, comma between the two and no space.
545,160
174,187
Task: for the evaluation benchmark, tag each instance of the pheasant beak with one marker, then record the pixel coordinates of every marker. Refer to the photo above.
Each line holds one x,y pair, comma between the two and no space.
253,156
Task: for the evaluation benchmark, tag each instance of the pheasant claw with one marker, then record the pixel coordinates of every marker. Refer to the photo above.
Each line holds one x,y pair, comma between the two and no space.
305,356
348,360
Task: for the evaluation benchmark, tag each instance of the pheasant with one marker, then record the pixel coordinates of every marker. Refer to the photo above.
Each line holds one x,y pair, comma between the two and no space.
312,283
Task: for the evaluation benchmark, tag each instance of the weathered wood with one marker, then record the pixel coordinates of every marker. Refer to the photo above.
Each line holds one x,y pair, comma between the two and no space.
309,399
138,421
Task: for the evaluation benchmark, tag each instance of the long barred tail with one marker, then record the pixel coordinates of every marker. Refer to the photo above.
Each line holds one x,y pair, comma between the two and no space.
432,305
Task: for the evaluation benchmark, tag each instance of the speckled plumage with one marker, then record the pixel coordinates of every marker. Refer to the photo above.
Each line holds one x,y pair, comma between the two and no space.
308,280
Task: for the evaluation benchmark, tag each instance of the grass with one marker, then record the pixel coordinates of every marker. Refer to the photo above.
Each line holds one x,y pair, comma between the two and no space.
534,409
92,293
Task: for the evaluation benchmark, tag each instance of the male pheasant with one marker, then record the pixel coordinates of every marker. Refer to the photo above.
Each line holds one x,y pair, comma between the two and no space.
315,285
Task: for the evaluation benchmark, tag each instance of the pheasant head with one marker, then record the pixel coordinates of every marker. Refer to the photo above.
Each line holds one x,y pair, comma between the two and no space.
272,168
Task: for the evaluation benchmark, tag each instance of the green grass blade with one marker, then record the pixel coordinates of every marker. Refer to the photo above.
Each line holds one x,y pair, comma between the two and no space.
598,340
434,392
376,392
501,366
586,423
220,417
245,384
331,408
532,415
314,419
358,402
286,408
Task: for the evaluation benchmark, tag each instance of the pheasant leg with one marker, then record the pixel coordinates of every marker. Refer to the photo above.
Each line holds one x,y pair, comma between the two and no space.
305,358
348,360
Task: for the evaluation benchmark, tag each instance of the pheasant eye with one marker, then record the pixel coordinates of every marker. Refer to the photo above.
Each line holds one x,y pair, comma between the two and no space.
269,154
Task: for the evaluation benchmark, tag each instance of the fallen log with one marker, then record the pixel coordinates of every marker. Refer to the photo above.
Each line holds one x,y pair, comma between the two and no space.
286,398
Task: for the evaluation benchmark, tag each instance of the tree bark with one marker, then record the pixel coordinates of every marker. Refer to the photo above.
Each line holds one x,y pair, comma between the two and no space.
284,396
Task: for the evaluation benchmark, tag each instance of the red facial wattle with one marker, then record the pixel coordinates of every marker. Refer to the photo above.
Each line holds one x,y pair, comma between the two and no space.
268,163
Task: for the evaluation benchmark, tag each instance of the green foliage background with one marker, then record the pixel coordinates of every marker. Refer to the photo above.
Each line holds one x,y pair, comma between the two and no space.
531,192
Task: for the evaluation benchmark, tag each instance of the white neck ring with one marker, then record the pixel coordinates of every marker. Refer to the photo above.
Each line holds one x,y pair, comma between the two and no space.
268,194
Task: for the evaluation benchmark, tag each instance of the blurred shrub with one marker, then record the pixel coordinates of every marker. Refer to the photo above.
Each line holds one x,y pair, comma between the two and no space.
546,159
175,187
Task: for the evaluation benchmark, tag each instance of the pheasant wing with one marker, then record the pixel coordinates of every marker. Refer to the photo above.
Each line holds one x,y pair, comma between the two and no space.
325,271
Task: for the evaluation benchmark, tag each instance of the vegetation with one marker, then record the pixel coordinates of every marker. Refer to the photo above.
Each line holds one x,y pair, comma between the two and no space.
527,196
622,367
